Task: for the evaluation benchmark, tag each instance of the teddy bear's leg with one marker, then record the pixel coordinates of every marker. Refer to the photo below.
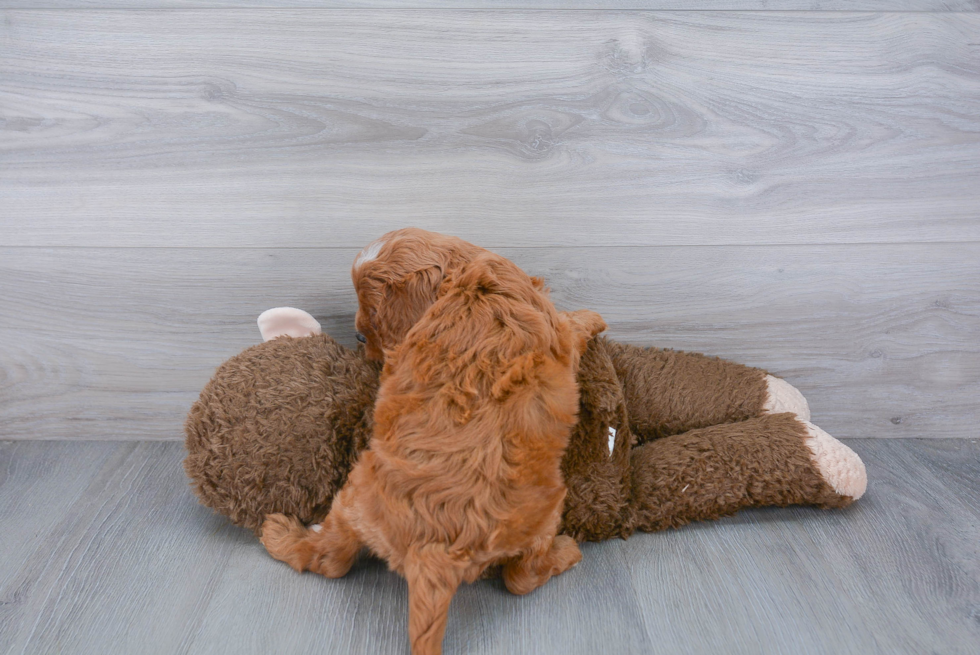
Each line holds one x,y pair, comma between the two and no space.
775,459
670,392
551,557
328,548
839,466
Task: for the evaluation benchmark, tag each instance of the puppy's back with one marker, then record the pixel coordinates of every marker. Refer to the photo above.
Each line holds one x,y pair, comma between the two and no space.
476,407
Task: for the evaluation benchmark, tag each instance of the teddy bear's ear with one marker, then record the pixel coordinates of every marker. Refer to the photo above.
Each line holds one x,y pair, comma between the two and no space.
287,321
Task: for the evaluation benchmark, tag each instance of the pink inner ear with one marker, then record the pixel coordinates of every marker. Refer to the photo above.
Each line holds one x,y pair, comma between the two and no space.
287,321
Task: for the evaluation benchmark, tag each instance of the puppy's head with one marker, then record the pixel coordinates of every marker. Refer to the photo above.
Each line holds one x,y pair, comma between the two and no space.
397,278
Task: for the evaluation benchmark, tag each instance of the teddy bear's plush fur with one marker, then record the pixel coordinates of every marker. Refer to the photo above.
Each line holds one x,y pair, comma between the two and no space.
278,428
663,438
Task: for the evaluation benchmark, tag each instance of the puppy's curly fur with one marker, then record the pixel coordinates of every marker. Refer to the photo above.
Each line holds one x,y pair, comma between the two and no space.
477,399
397,279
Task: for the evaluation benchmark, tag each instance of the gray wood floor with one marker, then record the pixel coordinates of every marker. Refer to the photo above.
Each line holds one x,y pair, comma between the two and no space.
106,551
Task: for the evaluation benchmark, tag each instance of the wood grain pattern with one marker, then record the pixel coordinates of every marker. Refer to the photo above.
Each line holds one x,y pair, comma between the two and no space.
117,343
122,559
135,565
897,572
792,190
119,551
660,5
513,128
39,492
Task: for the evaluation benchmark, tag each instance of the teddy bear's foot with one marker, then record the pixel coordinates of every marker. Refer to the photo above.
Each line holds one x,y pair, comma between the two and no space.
839,466
784,397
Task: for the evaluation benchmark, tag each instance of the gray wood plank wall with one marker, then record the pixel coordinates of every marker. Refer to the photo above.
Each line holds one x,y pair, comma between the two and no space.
692,5
793,190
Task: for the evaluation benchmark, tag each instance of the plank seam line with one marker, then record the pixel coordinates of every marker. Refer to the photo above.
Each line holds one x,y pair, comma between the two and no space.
508,247
526,10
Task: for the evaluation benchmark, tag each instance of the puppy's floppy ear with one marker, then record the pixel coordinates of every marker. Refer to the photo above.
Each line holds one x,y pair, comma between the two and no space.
404,302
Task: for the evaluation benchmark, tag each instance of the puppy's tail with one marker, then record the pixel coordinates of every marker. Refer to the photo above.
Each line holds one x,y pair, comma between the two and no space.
585,325
433,577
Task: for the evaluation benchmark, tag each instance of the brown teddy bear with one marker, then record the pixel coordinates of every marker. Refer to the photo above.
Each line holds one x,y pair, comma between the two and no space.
664,437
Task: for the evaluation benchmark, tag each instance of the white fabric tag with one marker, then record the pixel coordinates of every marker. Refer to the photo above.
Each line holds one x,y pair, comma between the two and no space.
612,439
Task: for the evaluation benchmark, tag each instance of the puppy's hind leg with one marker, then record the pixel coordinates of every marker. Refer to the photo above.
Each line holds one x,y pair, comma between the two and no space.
328,548
433,577
533,569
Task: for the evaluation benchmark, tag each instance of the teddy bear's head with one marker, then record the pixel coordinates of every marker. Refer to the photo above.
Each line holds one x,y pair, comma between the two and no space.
278,428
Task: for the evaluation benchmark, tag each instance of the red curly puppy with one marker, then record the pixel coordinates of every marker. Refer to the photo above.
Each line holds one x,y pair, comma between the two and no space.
477,399
397,279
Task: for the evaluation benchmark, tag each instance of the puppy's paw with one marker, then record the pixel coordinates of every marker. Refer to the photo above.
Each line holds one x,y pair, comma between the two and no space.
285,539
334,563
566,554
586,322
